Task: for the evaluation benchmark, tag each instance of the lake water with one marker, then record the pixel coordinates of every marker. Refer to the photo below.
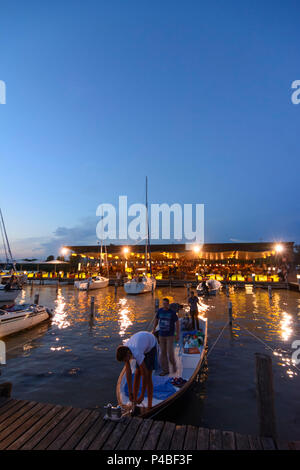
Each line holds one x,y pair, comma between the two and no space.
71,360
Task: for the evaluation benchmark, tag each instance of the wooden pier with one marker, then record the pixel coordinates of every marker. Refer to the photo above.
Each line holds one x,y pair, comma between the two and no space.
28,425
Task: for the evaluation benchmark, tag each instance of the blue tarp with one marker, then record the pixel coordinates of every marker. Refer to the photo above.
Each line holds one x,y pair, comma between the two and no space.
162,387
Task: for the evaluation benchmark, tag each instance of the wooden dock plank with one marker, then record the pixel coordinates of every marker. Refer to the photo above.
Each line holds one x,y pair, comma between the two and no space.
215,439
131,432
57,430
166,436
35,429
203,439
228,440
26,422
242,442
153,436
116,435
58,443
190,441
178,437
7,405
51,424
9,411
86,440
31,425
76,436
15,419
141,436
5,401
255,443
103,435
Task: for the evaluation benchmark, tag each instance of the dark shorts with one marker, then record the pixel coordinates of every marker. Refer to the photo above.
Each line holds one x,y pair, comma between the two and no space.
150,358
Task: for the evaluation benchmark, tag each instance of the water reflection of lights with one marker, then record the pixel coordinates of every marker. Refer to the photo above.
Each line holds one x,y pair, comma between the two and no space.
285,325
23,295
124,320
59,315
287,362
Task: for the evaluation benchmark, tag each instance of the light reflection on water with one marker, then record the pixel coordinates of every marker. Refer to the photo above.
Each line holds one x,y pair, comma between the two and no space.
71,361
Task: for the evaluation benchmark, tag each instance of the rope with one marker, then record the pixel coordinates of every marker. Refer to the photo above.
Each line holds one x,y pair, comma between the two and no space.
218,337
263,342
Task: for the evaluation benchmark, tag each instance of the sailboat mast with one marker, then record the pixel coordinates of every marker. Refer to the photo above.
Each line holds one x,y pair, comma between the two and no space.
6,238
146,241
147,228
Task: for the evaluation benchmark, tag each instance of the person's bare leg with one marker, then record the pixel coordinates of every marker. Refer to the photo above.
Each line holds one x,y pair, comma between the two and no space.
164,355
136,383
149,388
170,342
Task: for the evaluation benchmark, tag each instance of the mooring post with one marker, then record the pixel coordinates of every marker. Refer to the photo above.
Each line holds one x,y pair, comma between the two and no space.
36,299
5,390
92,306
188,287
265,395
270,292
227,290
230,312
253,280
116,287
156,305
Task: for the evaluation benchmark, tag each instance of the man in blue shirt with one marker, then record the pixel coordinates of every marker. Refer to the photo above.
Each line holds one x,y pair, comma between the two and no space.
167,319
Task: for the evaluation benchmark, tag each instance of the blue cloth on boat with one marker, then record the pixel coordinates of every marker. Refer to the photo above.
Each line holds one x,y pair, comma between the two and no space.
162,387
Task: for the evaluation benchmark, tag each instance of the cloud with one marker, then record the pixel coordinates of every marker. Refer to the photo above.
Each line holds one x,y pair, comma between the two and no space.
84,233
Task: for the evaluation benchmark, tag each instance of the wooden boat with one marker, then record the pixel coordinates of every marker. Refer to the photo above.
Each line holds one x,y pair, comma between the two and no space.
95,282
188,366
21,317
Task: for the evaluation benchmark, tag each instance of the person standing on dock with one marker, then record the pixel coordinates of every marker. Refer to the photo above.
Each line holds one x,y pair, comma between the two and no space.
167,318
142,347
193,303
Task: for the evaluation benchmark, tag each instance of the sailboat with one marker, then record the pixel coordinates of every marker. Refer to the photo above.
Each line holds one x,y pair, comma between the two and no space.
144,284
94,282
8,290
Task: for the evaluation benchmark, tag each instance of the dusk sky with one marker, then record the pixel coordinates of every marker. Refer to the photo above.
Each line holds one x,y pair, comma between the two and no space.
196,95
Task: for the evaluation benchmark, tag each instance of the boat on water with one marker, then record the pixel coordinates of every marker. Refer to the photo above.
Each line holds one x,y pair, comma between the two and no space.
94,282
140,285
8,295
146,283
21,317
189,355
213,287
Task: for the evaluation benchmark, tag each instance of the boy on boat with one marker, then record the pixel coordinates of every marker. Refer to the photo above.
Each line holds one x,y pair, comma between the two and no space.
167,318
142,347
193,303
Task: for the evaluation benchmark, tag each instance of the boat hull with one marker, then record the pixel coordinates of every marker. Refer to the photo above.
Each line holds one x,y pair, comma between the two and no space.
14,322
135,288
86,285
9,295
189,363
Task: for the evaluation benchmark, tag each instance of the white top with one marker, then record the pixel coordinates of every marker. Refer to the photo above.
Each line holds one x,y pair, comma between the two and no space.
139,344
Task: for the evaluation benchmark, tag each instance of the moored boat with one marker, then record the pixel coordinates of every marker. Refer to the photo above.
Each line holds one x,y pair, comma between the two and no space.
140,285
189,354
213,287
21,317
94,282
8,295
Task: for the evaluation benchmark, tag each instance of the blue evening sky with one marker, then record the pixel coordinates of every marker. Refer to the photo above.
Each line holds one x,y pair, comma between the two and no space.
194,94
